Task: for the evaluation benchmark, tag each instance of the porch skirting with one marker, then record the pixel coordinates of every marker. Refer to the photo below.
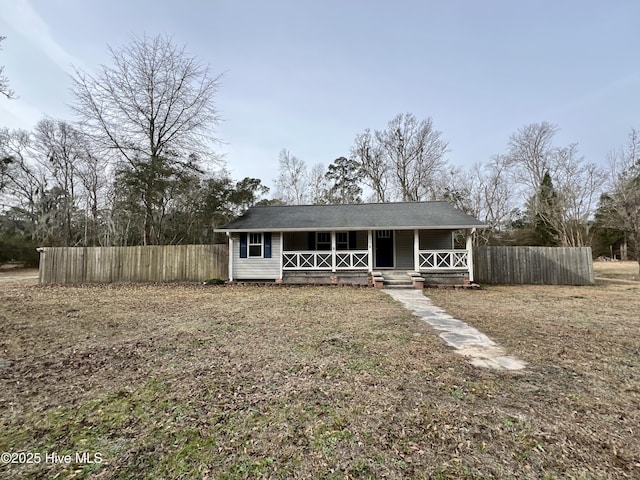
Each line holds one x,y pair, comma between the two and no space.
445,278
345,277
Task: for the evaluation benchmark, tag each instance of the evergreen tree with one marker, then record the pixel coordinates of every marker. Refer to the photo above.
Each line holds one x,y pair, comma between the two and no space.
344,176
546,213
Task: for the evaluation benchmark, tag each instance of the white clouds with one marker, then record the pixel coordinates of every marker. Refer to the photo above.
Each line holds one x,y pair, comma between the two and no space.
37,66
18,114
27,22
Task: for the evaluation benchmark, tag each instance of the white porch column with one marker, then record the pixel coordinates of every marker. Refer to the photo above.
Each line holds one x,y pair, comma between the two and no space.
370,249
416,250
470,253
333,251
230,256
281,252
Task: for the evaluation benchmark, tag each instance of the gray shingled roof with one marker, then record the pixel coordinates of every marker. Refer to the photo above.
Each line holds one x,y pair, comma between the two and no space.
422,215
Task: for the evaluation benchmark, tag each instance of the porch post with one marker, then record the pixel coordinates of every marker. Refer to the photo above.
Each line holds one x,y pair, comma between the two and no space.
416,250
470,253
333,251
370,250
230,256
281,253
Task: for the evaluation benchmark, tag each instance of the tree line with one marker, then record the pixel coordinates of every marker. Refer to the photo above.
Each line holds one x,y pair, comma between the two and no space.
137,166
534,193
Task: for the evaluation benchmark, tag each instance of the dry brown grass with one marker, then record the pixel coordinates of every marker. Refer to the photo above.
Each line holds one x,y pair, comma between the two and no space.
624,270
583,348
185,381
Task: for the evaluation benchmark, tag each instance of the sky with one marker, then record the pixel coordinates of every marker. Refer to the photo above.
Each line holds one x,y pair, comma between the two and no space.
309,75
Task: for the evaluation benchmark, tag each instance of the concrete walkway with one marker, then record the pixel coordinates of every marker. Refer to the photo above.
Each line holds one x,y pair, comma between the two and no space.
479,349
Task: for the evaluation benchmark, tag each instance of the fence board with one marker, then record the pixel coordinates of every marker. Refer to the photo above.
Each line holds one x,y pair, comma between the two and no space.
533,265
166,263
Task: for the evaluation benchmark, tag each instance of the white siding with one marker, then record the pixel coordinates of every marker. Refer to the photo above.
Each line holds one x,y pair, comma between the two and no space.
404,249
257,268
436,239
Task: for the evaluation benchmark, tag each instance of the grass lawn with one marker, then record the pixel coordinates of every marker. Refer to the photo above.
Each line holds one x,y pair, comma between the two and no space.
187,381
624,270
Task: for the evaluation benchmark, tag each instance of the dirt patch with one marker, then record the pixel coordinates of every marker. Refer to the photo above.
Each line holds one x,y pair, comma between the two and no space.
176,381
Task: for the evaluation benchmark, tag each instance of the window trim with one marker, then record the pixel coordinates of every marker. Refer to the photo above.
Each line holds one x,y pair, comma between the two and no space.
324,243
251,243
342,244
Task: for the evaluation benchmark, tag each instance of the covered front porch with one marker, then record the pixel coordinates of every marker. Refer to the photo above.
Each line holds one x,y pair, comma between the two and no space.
424,251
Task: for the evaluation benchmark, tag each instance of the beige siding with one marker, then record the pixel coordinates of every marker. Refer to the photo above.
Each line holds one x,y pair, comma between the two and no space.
436,239
362,242
404,249
257,268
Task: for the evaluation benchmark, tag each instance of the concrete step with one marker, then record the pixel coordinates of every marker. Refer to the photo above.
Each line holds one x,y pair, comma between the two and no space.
397,281
398,287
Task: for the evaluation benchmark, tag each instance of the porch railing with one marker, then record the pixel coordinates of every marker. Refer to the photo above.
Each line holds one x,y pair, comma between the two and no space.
314,260
443,259
352,260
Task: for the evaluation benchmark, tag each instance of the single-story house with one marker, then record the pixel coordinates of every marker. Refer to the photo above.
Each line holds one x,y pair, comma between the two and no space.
350,243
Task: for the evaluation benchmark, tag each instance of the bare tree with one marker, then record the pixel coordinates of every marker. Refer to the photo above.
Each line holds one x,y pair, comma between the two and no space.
622,202
93,174
373,164
25,182
491,198
531,153
4,81
404,160
292,184
416,155
536,165
60,150
154,106
317,184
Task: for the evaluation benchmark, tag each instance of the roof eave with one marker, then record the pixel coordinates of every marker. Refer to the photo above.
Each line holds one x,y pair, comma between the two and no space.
345,229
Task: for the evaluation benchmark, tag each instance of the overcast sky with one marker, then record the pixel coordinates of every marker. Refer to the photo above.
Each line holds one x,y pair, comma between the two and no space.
310,75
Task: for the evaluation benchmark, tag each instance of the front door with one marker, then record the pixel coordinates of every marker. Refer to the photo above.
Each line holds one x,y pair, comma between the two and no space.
384,249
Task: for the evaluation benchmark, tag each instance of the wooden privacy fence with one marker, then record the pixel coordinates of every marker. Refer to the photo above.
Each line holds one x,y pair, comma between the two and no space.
533,265
167,263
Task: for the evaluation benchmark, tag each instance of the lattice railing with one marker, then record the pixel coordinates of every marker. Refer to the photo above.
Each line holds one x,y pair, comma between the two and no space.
313,260
443,259
352,260
306,260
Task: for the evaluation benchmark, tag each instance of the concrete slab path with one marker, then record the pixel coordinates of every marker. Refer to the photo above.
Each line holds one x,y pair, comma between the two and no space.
479,349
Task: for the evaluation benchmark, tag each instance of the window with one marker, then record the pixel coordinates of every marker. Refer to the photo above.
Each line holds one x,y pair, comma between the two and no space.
255,245
342,240
323,241
384,233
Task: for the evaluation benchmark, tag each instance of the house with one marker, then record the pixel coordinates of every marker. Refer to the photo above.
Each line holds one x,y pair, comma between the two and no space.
356,243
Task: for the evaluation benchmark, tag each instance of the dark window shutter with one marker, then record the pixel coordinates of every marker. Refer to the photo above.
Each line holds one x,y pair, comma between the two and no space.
243,245
352,240
312,240
267,245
